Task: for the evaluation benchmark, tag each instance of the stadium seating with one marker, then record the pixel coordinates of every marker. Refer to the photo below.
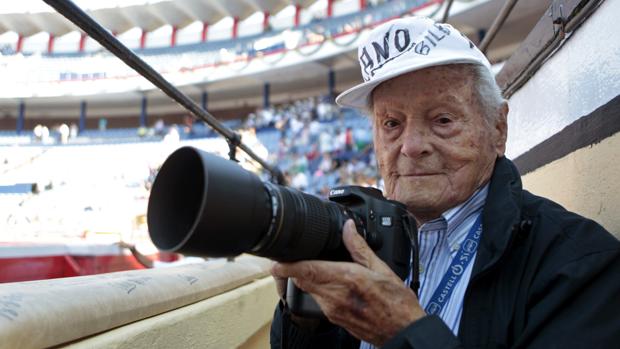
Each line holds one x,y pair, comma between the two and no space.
79,66
109,172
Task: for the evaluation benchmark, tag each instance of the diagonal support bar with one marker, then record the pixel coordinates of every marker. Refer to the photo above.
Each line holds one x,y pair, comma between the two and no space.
81,19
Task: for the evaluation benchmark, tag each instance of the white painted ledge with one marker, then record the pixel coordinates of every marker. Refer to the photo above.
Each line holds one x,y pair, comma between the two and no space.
238,318
46,313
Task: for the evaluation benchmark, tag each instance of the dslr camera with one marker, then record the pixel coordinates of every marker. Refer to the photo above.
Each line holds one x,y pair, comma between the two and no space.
204,205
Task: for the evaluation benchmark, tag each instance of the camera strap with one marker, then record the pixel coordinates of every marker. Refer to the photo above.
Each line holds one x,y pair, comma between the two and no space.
456,270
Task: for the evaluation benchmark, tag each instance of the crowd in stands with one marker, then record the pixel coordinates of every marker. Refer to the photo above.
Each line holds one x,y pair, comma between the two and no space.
319,145
59,134
315,143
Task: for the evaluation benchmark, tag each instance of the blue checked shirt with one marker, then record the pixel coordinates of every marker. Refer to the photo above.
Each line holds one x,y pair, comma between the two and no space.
439,240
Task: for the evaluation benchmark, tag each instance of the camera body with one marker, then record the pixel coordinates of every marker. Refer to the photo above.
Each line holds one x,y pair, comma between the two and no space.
386,225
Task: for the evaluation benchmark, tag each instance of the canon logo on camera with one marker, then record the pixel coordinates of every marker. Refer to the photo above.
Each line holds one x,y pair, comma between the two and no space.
334,192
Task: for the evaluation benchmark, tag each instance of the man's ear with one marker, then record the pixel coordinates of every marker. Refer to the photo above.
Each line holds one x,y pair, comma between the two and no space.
501,129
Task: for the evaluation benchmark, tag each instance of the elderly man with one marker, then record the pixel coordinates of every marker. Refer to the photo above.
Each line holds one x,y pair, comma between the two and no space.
499,267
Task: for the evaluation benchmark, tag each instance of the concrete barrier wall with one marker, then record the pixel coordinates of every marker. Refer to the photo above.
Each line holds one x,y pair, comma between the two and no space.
564,122
585,181
582,75
195,305
236,319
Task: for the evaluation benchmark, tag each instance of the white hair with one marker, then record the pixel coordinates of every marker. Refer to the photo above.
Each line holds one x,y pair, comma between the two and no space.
488,92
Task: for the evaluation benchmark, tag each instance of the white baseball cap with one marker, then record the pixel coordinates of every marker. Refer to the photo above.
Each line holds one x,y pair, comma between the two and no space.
404,45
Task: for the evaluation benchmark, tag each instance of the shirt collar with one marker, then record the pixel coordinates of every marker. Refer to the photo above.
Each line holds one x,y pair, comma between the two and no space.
452,218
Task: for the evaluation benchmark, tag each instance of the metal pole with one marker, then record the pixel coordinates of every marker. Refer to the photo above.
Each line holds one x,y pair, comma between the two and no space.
446,12
82,124
204,100
21,115
497,24
331,84
73,13
143,115
266,95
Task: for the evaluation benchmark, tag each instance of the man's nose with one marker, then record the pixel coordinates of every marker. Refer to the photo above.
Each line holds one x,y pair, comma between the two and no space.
415,141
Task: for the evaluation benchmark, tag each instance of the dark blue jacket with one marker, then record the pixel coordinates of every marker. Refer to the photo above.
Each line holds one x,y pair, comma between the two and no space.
543,278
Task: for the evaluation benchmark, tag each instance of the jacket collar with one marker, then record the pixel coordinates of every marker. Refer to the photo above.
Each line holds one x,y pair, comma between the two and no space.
502,212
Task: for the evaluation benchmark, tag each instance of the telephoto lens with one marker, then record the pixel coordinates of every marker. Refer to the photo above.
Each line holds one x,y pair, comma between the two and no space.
204,205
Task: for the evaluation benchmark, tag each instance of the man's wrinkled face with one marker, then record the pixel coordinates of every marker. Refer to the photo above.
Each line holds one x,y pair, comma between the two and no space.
433,144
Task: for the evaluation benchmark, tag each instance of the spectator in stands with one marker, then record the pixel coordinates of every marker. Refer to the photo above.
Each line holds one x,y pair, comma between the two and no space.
142,131
173,134
300,181
160,127
63,132
500,267
188,125
314,129
38,133
348,139
103,124
73,132
296,125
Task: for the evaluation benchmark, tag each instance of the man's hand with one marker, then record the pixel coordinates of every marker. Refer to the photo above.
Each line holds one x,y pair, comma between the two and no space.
123,244
366,297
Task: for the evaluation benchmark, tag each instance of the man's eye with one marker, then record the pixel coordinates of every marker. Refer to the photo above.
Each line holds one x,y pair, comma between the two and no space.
390,123
444,119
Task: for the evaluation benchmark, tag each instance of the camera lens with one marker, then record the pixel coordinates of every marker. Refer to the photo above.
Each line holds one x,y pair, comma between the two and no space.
305,227
204,205
201,204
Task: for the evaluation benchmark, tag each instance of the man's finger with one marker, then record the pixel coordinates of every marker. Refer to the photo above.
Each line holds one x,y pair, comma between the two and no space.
359,249
310,271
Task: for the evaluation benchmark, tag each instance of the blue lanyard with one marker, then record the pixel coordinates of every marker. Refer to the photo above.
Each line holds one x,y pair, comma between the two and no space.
456,270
